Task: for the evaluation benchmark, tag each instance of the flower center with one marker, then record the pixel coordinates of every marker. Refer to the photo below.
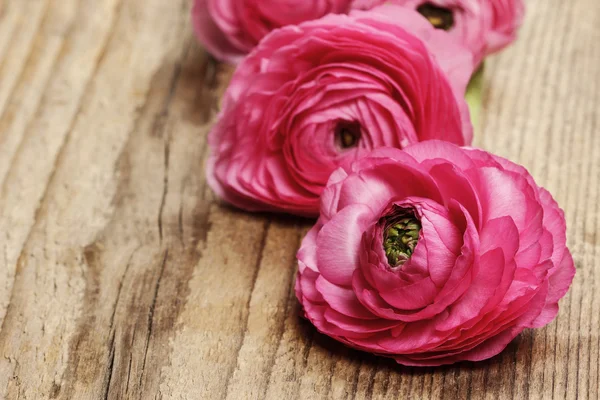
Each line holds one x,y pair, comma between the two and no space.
400,236
347,134
439,17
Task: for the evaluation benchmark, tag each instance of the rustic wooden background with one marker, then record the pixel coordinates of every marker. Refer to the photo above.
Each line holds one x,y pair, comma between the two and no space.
122,277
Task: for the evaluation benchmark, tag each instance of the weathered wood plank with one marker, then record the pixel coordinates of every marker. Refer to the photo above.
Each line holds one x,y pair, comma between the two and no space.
37,120
19,22
56,272
122,277
30,84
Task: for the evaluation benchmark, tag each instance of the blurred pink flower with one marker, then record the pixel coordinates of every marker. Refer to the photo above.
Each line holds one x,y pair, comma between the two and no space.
313,97
433,255
230,29
484,26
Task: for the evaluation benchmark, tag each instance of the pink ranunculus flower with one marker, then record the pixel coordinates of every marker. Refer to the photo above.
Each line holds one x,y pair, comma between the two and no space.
229,29
432,255
314,97
484,26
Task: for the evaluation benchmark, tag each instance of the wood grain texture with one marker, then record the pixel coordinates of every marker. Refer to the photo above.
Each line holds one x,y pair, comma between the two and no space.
122,277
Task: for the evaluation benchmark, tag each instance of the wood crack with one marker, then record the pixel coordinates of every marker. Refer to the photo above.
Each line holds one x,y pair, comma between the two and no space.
109,371
160,127
151,315
165,190
121,281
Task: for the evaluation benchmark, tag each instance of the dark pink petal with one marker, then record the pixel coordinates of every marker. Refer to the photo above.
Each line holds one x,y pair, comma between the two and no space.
559,283
479,293
342,300
338,243
500,233
358,325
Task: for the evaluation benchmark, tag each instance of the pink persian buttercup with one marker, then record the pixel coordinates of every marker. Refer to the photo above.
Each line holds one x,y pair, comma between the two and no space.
317,96
229,29
432,255
484,26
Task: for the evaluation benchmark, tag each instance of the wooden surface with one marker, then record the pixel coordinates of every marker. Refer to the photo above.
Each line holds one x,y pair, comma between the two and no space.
122,277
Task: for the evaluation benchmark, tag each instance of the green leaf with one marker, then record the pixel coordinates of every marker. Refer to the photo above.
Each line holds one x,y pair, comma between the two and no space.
474,96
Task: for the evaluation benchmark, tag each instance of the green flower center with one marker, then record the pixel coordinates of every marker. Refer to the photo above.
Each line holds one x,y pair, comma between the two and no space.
439,17
400,237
